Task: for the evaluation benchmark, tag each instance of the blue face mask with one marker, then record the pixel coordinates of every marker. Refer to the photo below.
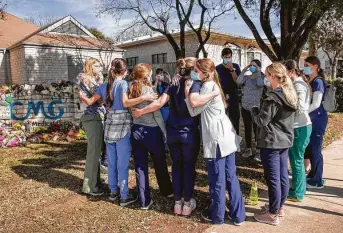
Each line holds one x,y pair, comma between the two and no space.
307,70
227,60
253,69
194,76
266,82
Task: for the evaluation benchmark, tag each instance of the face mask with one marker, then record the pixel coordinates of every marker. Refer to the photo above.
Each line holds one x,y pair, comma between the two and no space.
266,82
307,70
227,60
253,69
194,76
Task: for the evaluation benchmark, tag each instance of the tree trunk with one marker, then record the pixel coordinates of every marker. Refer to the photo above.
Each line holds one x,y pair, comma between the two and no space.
312,47
334,69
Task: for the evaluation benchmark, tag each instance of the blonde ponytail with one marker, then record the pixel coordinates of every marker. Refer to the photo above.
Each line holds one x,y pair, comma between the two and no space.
289,91
279,71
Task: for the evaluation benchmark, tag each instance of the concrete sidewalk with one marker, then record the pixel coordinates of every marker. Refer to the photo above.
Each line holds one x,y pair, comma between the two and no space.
321,211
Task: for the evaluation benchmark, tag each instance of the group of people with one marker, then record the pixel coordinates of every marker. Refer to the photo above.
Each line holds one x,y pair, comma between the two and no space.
142,117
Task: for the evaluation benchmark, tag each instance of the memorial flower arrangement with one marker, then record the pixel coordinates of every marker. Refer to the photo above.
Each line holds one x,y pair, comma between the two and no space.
22,133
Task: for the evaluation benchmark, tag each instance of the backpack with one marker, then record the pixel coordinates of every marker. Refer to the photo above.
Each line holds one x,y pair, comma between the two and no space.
330,102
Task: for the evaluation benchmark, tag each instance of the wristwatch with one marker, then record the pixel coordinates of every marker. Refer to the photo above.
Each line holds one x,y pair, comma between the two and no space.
233,70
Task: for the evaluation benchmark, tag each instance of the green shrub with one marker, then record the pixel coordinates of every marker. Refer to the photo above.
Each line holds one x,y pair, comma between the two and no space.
339,93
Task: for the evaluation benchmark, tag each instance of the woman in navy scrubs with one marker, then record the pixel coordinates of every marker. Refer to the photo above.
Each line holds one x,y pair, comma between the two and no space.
319,118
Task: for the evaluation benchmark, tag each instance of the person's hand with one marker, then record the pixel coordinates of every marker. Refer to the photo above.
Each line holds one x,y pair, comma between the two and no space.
136,112
176,80
229,66
188,86
150,97
246,68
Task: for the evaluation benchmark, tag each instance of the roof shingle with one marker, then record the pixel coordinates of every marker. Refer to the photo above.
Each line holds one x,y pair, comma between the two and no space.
14,29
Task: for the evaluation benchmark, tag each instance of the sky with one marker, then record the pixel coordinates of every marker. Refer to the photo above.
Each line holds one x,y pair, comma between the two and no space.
85,12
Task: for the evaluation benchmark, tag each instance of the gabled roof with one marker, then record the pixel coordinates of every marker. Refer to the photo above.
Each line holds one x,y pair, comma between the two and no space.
65,32
13,29
68,19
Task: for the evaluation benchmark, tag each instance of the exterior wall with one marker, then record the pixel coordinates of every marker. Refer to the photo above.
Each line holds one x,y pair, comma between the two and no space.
2,67
51,64
144,52
17,57
64,105
214,47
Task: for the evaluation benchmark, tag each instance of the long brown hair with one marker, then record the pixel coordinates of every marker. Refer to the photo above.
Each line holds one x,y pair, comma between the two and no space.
117,69
207,66
315,61
279,71
140,75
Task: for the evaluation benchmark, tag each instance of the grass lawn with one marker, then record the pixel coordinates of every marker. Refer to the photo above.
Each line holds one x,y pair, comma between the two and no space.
40,187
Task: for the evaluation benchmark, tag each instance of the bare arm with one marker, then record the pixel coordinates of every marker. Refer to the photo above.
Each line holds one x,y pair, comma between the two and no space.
154,106
128,103
91,100
194,111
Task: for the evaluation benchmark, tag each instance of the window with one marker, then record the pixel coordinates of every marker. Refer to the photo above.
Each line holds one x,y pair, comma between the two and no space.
236,56
159,58
131,61
253,55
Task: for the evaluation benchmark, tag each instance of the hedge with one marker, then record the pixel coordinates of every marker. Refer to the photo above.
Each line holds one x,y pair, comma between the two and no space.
339,94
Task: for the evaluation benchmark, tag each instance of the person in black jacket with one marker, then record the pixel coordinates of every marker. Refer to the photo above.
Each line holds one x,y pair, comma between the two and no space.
275,135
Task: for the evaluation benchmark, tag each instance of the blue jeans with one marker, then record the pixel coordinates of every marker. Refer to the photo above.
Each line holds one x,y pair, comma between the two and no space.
184,148
314,150
275,166
222,176
118,159
147,140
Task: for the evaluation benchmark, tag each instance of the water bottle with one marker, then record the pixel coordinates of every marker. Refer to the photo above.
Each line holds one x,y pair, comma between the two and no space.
254,194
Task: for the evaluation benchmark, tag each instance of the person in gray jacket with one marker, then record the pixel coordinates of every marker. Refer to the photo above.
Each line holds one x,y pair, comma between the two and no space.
252,91
275,133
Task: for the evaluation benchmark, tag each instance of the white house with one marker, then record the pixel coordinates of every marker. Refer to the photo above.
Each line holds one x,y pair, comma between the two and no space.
33,55
156,49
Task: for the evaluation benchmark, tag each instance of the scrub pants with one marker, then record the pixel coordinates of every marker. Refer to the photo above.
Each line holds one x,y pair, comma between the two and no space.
147,140
314,150
234,113
222,176
296,158
184,149
275,166
118,159
93,125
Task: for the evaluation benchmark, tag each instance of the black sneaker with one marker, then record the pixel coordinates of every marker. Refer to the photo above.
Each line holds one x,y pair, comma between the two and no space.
206,215
130,199
113,196
96,193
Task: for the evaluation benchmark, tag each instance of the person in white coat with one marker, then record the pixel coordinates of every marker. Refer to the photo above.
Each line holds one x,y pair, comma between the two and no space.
220,142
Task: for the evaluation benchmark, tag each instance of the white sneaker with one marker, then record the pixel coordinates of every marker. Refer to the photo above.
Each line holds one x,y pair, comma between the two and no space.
247,153
148,206
178,208
187,210
308,186
258,156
